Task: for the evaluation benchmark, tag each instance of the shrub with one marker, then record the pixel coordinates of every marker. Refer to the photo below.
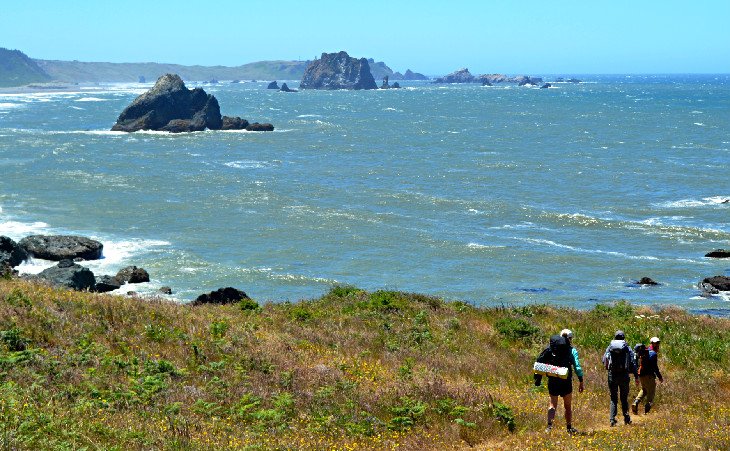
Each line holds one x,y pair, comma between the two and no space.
13,339
406,414
504,414
516,328
343,291
248,304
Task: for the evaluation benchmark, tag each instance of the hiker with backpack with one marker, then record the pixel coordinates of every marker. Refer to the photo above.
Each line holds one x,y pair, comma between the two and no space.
619,361
556,362
647,359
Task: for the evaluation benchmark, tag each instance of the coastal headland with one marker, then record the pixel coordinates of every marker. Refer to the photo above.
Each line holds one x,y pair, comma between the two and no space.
349,370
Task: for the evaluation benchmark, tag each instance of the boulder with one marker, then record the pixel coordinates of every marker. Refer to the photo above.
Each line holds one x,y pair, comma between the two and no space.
170,101
61,247
460,76
338,71
646,281
234,123
70,275
718,253
273,85
221,296
107,283
165,290
545,86
285,88
719,283
256,127
396,85
132,274
11,254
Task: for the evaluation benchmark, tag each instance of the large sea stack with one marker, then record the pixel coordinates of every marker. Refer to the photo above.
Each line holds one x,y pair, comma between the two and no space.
338,71
170,106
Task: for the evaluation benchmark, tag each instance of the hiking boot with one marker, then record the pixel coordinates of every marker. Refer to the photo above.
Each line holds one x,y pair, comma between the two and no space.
635,408
548,428
627,419
613,422
647,408
571,430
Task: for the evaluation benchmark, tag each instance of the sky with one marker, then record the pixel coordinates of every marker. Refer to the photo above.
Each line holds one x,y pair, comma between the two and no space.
431,37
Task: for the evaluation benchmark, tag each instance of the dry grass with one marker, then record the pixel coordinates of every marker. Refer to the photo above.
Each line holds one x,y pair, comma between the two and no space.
351,370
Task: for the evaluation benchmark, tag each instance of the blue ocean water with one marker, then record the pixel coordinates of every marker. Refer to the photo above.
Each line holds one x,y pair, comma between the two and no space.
493,195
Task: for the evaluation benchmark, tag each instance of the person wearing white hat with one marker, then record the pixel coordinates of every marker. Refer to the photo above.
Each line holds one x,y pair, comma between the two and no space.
648,374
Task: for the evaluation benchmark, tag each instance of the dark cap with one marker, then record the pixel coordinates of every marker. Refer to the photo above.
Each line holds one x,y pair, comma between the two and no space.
619,335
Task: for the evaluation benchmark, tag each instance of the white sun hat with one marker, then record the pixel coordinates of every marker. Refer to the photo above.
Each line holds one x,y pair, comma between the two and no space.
567,333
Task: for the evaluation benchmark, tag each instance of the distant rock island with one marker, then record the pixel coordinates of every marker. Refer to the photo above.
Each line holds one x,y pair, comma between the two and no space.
338,71
170,106
464,76
381,70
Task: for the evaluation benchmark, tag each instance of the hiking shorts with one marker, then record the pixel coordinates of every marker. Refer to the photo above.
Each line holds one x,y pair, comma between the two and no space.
559,387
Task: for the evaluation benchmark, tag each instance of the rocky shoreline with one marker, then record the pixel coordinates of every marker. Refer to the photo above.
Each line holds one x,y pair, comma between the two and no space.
71,250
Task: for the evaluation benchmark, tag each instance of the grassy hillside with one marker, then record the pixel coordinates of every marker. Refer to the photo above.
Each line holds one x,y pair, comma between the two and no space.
16,69
96,72
351,370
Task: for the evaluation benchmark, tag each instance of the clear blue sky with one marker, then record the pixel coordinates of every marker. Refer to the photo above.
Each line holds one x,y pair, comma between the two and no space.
433,37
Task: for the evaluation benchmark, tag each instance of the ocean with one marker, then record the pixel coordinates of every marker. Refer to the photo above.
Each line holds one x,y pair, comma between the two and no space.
499,195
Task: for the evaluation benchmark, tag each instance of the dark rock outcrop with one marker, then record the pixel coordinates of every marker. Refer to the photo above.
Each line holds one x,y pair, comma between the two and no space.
105,284
718,253
486,82
165,290
256,127
397,76
61,247
573,80
273,85
11,254
338,71
68,274
718,283
234,123
285,88
221,296
396,85
460,76
545,86
385,84
170,106
132,274
646,281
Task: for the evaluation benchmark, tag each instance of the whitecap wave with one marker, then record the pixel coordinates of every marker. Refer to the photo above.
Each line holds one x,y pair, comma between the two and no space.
478,246
248,164
309,115
688,203
90,99
9,105
586,251
17,230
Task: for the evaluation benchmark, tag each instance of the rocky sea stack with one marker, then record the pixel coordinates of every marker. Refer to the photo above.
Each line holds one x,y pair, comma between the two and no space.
170,106
338,71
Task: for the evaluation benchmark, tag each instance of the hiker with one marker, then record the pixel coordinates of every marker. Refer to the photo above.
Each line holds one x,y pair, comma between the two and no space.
619,361
560,353
648,374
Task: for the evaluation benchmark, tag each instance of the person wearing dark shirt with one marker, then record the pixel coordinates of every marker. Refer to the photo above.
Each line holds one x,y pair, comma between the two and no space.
619,361
648,374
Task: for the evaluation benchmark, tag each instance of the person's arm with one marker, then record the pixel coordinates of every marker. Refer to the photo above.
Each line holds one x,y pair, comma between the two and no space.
654,360
578,370
604,359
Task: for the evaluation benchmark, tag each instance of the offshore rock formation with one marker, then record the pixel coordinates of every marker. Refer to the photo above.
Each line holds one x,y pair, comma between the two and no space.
61,247
718,253
460,76
713,285
170,106
338,71
273,85
285,88
410,75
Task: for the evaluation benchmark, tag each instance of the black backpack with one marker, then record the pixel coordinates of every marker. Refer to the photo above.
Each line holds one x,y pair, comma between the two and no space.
619,360
557,353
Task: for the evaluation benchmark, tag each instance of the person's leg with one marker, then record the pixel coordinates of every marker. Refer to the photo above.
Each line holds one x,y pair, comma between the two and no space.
624,390
568,404
551,410
613,389
640,396
650,392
